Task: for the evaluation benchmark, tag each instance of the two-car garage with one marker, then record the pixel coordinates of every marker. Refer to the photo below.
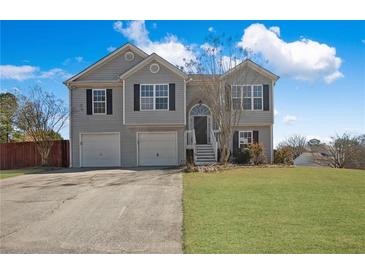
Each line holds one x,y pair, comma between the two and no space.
152,149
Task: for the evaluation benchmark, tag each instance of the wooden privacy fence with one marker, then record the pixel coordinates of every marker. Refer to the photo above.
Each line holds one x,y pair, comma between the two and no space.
25,154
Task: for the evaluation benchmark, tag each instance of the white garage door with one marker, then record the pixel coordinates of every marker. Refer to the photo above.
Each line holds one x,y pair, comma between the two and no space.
100,149
157,149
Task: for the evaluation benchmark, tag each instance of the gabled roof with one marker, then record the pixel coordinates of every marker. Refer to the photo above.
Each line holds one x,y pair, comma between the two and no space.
107,58
254,66
154,57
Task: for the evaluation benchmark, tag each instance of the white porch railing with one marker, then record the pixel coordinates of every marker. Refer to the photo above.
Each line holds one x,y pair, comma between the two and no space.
189,138
214,143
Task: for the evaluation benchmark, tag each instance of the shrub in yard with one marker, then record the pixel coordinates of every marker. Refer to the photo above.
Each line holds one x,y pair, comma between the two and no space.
243,156
283,155
256,152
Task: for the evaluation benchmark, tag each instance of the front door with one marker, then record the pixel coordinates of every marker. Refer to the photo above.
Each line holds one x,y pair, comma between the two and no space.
200,127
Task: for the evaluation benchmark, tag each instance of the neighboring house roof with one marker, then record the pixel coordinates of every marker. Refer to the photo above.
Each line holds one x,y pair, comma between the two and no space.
254,66
157,58
107,58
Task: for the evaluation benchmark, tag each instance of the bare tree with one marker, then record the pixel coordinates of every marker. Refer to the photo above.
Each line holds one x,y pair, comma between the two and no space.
345,150
216,70
296,143
41,116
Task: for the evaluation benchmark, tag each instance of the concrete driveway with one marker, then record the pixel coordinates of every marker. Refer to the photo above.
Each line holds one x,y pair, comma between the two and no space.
98,211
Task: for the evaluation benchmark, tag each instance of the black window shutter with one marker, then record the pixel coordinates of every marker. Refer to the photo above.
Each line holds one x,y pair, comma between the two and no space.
266,97
235,144
172,96
255,136
136,97
109,101
89,102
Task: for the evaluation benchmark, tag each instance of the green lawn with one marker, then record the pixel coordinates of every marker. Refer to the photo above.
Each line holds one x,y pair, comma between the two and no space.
275,210
16,172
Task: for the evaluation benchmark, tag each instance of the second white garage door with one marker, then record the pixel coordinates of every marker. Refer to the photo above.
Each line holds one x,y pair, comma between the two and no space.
100,149
157,149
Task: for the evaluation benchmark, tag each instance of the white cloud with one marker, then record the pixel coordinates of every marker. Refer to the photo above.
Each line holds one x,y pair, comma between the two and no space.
303,59
18,73
289,119
276,112
332,77
210,29
111,48
21,73
209,49
13,90
79,59
55,73
169,47
135,31
275,30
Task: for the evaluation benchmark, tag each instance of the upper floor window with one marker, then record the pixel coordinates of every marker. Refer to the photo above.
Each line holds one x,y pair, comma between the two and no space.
257,97
247,97
236,97
154,97
245,139
99,101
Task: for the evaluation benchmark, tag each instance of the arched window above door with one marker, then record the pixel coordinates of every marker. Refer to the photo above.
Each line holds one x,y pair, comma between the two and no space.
200,110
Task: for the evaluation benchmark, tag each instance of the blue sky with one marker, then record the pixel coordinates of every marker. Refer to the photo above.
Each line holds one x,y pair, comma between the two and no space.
321,63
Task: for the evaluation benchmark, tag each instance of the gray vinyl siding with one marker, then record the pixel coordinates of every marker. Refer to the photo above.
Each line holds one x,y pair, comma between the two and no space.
112,69
82,123
164,76
264,138
251,77
247,117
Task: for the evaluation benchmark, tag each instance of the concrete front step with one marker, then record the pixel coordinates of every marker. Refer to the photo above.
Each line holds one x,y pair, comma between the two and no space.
205,155
200,157
198,163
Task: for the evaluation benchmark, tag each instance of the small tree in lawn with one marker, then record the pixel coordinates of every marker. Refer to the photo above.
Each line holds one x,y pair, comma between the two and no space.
217,57
296,143
41,116
345,150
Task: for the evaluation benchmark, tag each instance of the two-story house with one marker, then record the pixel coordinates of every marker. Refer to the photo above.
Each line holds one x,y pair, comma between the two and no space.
133,109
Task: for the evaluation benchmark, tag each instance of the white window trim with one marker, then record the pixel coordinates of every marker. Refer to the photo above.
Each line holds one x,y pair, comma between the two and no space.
261,97
154,97
239,137
102,89
252,97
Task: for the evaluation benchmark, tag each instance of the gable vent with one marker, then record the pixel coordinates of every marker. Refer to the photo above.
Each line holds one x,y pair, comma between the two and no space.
129,56
154,68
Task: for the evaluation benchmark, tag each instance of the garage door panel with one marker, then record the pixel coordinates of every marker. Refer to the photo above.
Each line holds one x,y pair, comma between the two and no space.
157,149
100,150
